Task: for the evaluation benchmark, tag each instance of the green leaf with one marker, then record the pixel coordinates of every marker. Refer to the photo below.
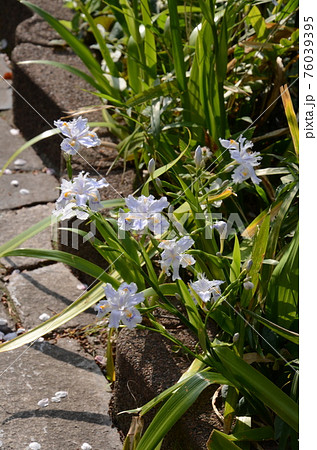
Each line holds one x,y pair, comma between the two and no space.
236,260
193,314
287,334
66,258
220,441
159,172
257,256
100,40
258,23
245,377
168,88
176,406
282,300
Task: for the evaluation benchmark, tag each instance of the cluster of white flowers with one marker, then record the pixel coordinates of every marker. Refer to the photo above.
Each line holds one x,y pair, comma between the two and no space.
245,159
145,212
80,196
77,134
77,195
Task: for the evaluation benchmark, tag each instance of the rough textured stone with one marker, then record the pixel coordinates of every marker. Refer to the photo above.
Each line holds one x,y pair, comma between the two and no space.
41,187
10,143
35,31
49,290
15,222
32,374
142,374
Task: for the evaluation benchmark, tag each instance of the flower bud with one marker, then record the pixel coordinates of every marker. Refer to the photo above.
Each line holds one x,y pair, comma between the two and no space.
158,183
198,158
248,264
229,168
151,167
236,337
248,285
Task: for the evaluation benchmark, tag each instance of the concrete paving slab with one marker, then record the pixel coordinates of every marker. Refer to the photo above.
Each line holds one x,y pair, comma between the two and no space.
31,374
37,188
10,143
49,290
15,222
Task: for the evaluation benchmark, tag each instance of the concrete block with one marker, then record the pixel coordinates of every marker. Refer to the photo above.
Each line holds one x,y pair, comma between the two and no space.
15,222
31,374
38,188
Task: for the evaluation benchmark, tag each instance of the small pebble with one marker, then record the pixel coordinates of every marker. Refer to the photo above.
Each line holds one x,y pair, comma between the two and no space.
61,394
7,172
24,191
3,322
81,286
50,171
35,446
14,131
9,336
1,444
14,183
16,272
86,446
40,339
55,399
1,336
19,162
20,331
43,317
44,402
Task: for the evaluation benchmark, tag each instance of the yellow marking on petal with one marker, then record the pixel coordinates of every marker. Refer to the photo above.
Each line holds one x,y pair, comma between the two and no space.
129,314
232,141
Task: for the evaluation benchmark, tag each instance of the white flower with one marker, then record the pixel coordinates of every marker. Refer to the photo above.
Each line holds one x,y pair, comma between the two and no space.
77,134
121,305
206,288
79,193
174,255
201,155
145,212
222,229
246,160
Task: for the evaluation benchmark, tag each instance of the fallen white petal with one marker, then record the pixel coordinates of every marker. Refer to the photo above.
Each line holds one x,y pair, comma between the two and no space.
35,446
14,183
55,399
19,162
7,172
14,131
61,394
43,317
24,191
44,402
86,446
